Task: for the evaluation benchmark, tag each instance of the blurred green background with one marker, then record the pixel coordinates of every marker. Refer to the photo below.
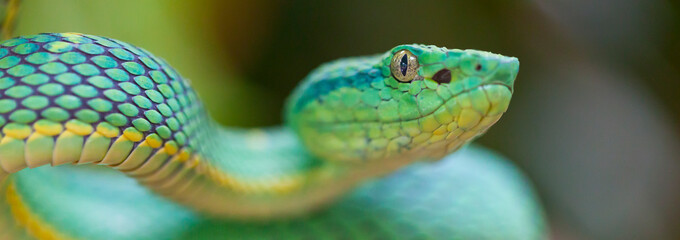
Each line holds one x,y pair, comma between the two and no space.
594,120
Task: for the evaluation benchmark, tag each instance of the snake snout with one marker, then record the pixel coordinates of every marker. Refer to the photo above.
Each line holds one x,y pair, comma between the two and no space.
506,72
490,67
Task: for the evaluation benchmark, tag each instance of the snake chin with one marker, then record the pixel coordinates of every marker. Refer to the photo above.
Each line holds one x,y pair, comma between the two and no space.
474,111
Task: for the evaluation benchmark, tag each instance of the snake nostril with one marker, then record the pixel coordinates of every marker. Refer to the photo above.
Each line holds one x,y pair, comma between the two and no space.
443,76
478,67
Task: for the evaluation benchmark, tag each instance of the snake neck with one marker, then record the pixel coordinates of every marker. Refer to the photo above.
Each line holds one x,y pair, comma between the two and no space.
267,173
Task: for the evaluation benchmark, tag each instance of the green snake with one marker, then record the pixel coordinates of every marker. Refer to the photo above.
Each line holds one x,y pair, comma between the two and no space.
366,151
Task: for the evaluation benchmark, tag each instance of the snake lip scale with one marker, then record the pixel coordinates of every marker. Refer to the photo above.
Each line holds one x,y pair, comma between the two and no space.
423,114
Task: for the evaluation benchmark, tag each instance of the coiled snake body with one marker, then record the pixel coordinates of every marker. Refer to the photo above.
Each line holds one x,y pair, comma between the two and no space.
82,100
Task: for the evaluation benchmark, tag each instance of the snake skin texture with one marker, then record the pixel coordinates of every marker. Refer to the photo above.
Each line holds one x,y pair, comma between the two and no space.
108,97
76,99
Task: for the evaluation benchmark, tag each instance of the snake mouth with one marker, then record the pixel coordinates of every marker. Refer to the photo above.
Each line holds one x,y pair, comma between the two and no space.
457,95
489,83
482,87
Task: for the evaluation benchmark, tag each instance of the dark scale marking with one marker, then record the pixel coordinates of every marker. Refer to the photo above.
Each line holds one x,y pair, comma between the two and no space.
68,89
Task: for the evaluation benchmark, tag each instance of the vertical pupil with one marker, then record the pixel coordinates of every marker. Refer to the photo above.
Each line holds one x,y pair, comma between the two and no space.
403,65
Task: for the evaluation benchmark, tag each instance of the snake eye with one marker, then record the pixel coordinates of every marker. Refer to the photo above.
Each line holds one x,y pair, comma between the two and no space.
404,66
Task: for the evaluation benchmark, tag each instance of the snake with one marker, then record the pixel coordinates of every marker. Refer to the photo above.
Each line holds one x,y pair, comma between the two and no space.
103,140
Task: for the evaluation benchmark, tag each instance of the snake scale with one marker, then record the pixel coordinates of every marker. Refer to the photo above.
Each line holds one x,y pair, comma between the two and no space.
366,152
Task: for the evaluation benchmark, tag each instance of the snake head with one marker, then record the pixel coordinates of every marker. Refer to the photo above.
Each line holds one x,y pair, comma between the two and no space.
412,102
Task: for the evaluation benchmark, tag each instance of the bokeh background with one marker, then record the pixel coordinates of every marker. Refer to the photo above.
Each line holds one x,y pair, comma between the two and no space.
595,117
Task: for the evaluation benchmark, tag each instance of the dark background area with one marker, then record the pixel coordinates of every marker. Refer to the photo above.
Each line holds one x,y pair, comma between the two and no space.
593,121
